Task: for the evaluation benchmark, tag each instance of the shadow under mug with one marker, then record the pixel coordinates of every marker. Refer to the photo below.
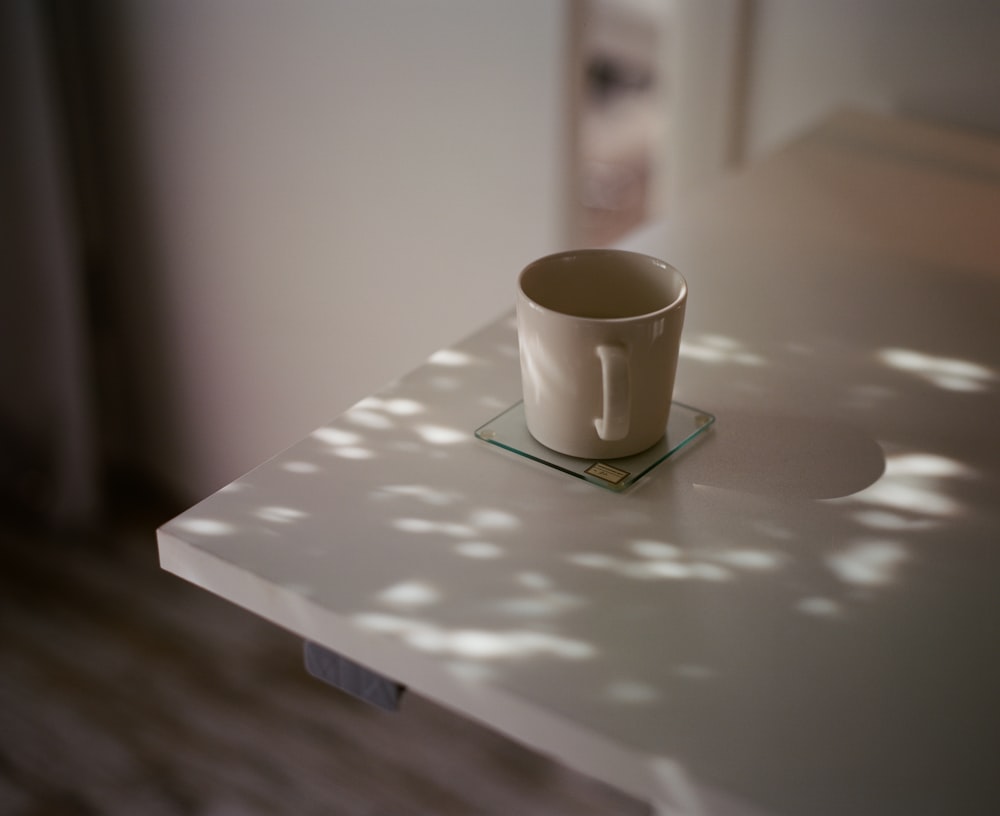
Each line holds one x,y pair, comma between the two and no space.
599,335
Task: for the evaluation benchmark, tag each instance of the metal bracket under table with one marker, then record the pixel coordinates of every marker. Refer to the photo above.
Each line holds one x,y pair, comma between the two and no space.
352,677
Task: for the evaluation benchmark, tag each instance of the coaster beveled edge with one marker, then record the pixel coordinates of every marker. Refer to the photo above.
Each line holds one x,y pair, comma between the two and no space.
589,470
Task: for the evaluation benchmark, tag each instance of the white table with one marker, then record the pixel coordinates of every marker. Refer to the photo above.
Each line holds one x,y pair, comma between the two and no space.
796,616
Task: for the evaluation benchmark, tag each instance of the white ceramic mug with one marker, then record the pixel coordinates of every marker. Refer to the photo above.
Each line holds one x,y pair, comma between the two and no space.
599,333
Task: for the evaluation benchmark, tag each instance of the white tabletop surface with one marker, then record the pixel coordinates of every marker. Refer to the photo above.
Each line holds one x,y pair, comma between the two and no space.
796,616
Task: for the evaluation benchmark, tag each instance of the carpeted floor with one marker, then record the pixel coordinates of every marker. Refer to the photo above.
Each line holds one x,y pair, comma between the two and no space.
123,690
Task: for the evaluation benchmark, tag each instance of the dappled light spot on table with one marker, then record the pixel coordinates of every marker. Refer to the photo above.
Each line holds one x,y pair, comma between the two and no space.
540,606
351,452
820,607
369,419
450,357
678,794
654,549
422,493
651,568
343,443
410,594
419,525
399,406
479,549
396,406
912,492
415,525
949,373
477,527
281,515
206,526
758,560
662,560
716,348
868,563
888,520
478,644
909,498
300,467
592,560
336,437
533,580
708,572
491,519
440,435
925,464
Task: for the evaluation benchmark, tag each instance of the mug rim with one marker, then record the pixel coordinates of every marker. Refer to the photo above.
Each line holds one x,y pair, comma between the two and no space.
569,253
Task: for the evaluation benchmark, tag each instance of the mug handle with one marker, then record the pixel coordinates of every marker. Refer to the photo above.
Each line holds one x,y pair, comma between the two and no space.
613,425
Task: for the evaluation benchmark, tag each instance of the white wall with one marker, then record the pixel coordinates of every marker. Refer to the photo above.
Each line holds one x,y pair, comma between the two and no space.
321,195
936,59
749,75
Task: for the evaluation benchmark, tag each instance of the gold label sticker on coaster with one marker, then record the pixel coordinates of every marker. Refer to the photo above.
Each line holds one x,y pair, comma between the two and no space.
606,472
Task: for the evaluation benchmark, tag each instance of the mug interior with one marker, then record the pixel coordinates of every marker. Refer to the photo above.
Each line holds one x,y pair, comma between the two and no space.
602,284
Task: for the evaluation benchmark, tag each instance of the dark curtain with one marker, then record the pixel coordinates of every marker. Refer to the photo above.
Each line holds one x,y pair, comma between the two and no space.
49,449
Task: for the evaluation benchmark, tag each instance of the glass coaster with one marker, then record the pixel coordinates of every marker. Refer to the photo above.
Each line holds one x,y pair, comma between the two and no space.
509,431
